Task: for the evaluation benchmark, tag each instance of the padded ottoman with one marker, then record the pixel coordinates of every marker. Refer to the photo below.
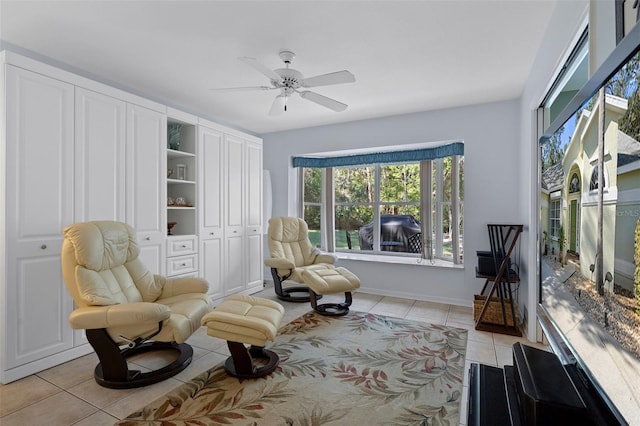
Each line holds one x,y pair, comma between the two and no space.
329,281
241,320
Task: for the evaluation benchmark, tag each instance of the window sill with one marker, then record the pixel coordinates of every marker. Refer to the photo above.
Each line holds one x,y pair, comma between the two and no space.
403,260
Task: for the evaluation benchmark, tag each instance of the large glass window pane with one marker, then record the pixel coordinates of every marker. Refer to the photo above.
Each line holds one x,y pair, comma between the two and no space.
312,217
312,185
354,184
351,227
312,203
400,182
447,249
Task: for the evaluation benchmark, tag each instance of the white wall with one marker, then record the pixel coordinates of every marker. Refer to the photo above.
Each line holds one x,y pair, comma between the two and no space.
501,183
492,181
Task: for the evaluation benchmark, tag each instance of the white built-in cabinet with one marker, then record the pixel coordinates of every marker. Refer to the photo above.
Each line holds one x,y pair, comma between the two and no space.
182,203
210,194
76,150
38,203
254,215
145,183
100,137
230,224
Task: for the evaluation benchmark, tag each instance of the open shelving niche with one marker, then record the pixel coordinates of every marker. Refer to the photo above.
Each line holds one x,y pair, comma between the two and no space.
184,216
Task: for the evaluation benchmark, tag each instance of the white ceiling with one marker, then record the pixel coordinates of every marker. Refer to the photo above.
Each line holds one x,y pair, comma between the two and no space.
407,56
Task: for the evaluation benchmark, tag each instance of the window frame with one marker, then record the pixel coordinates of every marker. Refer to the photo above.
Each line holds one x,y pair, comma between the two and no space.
430,250
558,202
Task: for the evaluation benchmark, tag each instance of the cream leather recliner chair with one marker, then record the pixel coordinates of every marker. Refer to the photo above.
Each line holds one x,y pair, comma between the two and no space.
119,302
291,253
293,258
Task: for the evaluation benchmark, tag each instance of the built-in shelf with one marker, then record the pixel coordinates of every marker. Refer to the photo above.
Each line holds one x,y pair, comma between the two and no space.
172,153
180,181
181,178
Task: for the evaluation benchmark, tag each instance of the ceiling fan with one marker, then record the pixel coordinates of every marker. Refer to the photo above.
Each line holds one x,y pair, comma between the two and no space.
290,81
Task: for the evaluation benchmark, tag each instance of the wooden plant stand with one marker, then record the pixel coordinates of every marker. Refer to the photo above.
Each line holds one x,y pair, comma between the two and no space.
497,313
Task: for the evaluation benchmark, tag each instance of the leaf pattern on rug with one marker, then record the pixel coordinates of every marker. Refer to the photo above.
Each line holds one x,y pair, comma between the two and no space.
316,417
358,369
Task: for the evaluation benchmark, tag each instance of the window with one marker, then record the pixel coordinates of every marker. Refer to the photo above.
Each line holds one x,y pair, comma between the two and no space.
593,182
574,185
554,217
313,203
382,208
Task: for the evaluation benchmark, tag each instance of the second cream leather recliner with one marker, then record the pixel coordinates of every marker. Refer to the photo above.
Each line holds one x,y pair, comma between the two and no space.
293,258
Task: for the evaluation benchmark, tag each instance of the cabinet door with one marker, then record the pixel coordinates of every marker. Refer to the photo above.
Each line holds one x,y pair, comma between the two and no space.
234,184
39,188
100,157
234,278
211,266
145,189
254,214
210,194
254,259
254,187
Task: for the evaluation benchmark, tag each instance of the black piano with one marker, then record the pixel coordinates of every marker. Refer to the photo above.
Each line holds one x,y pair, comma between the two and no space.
537,390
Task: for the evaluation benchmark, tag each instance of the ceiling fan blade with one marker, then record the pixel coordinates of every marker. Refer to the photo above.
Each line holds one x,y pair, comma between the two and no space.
277,107
241,89
252,62
338,77
324,101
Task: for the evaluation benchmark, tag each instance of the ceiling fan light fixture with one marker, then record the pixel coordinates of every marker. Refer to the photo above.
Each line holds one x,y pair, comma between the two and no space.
278,106
289,81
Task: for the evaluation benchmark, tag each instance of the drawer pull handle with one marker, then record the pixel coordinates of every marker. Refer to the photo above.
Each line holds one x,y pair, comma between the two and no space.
183,246
255,230
148,238
43,247
211,233
184,264
235,232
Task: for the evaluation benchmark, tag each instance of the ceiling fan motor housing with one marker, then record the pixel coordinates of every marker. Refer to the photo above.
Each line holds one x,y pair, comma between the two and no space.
291,79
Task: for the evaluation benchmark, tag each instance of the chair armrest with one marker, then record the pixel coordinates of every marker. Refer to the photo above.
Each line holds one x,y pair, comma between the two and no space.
176,286
93,317
279,263
324,258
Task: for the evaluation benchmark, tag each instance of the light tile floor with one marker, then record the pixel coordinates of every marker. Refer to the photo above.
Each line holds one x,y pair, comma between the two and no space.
68,395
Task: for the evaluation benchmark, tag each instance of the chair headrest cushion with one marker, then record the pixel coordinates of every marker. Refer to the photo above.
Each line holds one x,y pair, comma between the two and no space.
102,245
288,229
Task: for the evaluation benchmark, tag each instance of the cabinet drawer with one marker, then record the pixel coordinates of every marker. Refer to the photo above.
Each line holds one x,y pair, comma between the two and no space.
182,265
181,246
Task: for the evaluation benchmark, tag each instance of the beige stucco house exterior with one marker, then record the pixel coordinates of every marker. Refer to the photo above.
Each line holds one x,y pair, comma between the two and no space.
569,196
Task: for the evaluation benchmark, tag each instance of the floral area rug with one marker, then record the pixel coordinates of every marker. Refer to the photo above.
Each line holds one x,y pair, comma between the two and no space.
359,369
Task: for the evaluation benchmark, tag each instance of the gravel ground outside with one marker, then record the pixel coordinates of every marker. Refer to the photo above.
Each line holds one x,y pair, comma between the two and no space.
615,311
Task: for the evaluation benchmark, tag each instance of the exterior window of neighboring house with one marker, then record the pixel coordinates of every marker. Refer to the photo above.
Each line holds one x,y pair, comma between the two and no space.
410,208
593,182
574,185
554,217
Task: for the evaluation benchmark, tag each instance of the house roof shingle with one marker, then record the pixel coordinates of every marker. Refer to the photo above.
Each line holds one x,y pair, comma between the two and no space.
628,149
552,177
